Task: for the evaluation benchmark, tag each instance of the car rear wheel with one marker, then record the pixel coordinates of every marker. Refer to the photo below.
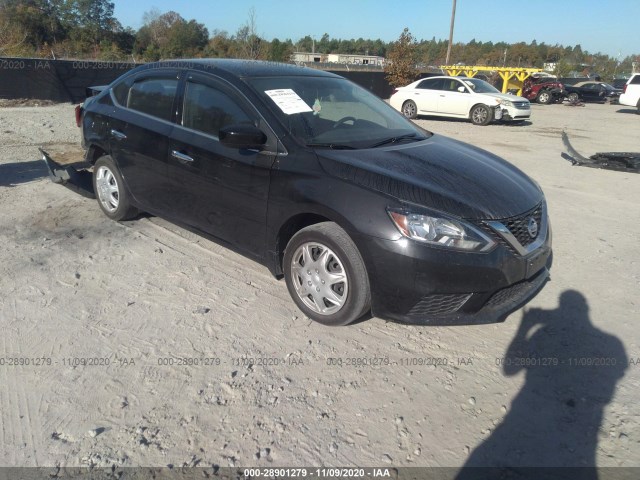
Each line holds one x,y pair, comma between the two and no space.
409,109
573,97
111,193
638,108
545,97
481,115
326,276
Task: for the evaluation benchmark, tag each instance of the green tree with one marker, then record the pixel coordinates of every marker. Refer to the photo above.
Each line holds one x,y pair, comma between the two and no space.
169,35
280,51
401,61
562,68
248,43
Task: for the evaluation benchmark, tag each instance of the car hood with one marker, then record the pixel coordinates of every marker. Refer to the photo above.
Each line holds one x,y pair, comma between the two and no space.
439,173
505,96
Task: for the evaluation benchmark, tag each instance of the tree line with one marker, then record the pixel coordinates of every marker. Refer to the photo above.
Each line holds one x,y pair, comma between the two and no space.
88,29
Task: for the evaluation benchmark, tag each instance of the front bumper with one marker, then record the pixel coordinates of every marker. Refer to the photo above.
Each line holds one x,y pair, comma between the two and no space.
418,284
513,113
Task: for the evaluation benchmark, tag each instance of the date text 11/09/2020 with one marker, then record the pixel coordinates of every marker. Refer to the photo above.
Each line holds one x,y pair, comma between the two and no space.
317,472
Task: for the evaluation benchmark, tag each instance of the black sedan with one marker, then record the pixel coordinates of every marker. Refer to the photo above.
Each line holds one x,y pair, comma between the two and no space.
591,92
356,207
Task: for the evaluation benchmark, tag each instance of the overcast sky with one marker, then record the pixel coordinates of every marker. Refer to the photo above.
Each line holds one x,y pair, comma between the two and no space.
607,26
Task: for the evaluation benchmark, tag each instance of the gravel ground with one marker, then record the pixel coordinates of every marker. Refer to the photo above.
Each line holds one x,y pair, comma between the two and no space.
142,297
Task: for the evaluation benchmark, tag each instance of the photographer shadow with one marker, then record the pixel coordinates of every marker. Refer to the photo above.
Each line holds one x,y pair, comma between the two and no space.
12,174
572,369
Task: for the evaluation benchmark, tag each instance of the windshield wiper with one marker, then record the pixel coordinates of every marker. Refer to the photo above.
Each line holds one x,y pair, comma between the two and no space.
333,146
393,140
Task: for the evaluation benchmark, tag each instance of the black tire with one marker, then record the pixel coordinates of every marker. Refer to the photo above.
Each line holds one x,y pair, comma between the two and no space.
409,109
544,97
481,115
638,107
111,193
573,97
341,259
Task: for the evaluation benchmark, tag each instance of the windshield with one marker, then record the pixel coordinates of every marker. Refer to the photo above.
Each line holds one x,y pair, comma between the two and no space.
326,112
480,86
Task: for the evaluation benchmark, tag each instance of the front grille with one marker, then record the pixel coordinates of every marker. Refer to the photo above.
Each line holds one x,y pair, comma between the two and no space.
507,294
518,225
522,105
439,304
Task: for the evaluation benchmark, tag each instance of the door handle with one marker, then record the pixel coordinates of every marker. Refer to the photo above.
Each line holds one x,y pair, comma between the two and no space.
118,134
181,156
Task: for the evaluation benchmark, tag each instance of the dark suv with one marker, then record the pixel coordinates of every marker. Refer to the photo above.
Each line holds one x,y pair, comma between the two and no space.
358,208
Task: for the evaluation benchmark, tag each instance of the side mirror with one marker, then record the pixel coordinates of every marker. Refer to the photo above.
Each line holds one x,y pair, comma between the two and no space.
242,136
462,90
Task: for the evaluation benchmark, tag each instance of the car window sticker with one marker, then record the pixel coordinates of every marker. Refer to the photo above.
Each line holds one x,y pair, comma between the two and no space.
288,101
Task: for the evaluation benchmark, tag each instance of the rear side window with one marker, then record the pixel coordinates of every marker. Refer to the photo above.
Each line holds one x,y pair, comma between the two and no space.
208,109
431,84
153,96
121,92
635,80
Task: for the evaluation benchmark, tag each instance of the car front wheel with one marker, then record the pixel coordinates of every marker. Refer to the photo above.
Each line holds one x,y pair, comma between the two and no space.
481,115
111,193
573,97
326,276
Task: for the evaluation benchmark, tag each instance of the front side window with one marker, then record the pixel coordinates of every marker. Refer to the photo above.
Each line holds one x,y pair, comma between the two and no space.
153,96
208,109
451,85
480,86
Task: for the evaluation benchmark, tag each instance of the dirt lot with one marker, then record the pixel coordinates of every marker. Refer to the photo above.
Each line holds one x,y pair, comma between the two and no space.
144,297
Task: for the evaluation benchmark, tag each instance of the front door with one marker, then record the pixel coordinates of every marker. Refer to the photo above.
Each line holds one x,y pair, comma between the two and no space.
213,188
453,102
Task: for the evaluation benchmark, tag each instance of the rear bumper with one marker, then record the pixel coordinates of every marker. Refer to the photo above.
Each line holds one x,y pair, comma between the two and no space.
75,177
628,100
414,283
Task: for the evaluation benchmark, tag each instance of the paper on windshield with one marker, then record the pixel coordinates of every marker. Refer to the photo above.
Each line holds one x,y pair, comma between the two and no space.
288,101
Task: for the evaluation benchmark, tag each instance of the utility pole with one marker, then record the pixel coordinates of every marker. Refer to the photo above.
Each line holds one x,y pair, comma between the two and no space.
453,18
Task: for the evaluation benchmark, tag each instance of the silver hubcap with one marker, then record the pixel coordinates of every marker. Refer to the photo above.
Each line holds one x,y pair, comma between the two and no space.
319,278
479,115
107,189
544,97
409,110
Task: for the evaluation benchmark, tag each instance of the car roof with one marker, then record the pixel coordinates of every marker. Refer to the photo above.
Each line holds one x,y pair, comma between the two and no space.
243,68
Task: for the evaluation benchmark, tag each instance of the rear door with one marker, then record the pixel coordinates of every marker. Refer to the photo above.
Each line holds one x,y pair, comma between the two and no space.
426,95
139,134
213,188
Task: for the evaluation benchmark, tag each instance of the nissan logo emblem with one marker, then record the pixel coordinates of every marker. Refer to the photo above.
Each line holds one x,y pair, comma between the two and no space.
532,227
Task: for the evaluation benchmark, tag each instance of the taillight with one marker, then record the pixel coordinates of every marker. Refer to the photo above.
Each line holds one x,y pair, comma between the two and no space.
78,115
624,89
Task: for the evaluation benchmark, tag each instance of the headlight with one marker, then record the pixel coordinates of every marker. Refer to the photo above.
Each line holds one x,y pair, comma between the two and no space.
506,103
442,231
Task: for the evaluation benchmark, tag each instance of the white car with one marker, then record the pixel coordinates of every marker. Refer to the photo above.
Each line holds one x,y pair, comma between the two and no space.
459,97
631,93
